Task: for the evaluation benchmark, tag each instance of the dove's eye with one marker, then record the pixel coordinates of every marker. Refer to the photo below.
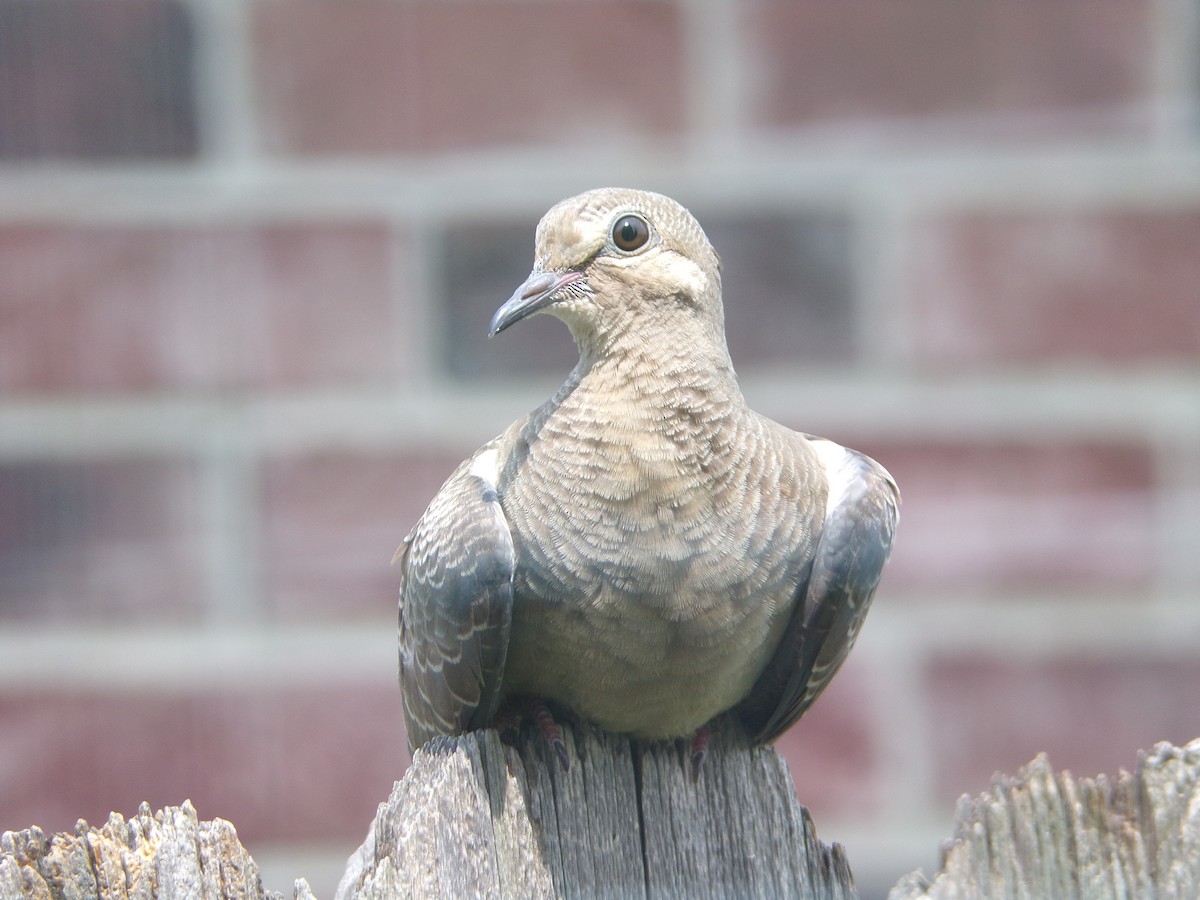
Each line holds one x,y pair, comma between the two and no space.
630,233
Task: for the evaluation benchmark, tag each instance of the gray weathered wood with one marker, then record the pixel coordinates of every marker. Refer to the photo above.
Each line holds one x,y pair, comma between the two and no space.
166,854
1046,835
475,817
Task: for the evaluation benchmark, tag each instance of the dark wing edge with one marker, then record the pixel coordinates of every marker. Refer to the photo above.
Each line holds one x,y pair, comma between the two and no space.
855,542
456,594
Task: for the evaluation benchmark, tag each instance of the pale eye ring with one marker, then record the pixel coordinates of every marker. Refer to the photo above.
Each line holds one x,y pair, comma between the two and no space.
630,233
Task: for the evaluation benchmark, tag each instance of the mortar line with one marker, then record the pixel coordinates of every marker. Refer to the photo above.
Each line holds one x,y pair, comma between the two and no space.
1175,74
224,76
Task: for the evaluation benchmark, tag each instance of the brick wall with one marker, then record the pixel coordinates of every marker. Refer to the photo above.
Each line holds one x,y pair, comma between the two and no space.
248,251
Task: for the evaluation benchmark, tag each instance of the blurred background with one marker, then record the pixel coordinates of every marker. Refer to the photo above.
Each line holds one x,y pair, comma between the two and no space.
248,253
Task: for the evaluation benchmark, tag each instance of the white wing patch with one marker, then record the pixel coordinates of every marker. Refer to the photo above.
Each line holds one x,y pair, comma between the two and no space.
486,467
841,471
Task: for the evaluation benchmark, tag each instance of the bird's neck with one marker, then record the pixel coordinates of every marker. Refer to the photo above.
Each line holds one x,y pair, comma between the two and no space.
661,379
639,354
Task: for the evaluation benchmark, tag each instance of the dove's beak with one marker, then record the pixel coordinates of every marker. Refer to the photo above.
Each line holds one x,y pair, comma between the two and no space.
539,291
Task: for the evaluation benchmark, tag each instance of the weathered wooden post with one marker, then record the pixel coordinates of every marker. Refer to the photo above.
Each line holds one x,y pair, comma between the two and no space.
477,818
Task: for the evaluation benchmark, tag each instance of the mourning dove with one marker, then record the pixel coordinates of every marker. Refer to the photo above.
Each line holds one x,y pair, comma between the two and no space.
643,549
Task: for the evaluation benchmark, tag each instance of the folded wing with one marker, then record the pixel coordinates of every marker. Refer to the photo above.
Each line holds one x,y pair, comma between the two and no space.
856,538
456,605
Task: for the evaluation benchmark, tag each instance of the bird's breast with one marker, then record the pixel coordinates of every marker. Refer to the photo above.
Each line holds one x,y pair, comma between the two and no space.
634,515
647,566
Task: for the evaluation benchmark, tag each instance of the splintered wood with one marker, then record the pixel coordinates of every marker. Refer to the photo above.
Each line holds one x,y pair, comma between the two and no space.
1056,836
166,854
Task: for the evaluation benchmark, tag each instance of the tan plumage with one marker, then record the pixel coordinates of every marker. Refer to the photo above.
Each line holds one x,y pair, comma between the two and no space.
643,548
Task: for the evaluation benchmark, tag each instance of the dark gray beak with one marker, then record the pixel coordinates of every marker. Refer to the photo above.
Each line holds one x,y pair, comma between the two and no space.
539,291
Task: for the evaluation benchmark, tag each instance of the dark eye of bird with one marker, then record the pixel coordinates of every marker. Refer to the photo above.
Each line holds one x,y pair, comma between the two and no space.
630,233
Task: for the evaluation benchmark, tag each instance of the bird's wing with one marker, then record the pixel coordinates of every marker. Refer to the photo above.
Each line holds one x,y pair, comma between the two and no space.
456,605
855,540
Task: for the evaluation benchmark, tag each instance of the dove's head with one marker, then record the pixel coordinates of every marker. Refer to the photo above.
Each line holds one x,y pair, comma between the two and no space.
616,264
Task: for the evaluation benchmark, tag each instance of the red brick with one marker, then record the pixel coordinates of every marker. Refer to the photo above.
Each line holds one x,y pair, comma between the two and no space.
100,79
281,765
830,61
92,540
984,518
1099,287
831,751
1091,715
194,307
382,77
329,799
333,522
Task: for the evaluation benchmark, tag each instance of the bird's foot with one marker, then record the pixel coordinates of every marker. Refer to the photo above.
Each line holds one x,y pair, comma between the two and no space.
699,750
551,733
